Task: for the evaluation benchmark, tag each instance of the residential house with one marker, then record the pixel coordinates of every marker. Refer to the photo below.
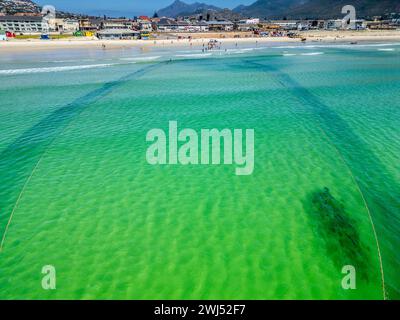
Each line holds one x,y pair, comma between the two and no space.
70,25
63,25
145,24
90,24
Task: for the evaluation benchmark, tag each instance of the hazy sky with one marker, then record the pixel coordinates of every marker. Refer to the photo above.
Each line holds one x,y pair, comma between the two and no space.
128,7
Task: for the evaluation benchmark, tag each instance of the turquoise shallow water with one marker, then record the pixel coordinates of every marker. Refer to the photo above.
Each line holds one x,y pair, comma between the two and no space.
77,193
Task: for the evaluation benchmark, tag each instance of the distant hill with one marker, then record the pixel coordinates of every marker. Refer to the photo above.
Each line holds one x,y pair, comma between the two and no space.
27,6
179,8
267,8
17,6
332,8
300,9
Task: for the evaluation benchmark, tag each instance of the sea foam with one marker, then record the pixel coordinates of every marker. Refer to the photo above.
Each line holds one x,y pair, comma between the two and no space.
53,69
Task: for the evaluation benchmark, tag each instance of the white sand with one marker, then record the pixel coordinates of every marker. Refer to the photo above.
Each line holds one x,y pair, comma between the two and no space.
226,38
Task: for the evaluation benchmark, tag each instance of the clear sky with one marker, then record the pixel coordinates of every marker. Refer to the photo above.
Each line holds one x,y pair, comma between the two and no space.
128,7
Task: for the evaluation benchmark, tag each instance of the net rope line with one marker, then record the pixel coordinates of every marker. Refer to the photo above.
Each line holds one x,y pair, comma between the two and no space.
358,188
47,148
366,207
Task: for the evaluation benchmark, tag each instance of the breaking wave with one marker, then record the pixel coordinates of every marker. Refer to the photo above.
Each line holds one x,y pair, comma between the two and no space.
53,69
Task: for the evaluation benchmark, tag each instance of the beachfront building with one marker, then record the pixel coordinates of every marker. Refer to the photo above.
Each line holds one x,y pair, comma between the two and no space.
311,25
191,26
55,24
268,26
145,24
111,34
248,25
339,24
167,25
70,25
360,24
395,22
217,25
287,24
380,25
23,24
334,24
353,25
63,25
116,24
171,25
202,26
90,24
182,26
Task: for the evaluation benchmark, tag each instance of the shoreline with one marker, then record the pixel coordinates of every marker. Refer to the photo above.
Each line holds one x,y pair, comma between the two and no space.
17,45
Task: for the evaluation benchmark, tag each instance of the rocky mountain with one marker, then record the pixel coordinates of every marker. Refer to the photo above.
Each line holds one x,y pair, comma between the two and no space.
223,14
297,9
17,6
267,8
180,8
332,8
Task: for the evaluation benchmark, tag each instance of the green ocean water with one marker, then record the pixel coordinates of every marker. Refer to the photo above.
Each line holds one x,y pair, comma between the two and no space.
76,191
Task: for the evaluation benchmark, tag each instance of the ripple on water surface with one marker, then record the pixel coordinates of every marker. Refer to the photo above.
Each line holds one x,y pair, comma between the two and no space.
117,227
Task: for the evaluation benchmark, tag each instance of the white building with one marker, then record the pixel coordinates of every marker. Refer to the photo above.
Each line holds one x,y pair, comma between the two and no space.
71,25
23,24
170,25
248,25
117,24
201,26
287,24
145,25
250,21
167,25
63,25
118,34
339,24
217,25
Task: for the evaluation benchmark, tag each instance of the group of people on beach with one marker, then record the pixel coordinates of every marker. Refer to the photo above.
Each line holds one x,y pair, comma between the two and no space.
212,44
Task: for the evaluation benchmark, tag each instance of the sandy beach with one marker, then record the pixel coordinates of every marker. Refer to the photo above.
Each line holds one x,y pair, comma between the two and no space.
198,39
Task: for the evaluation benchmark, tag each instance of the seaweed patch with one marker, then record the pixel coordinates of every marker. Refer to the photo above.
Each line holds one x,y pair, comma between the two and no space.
339,232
